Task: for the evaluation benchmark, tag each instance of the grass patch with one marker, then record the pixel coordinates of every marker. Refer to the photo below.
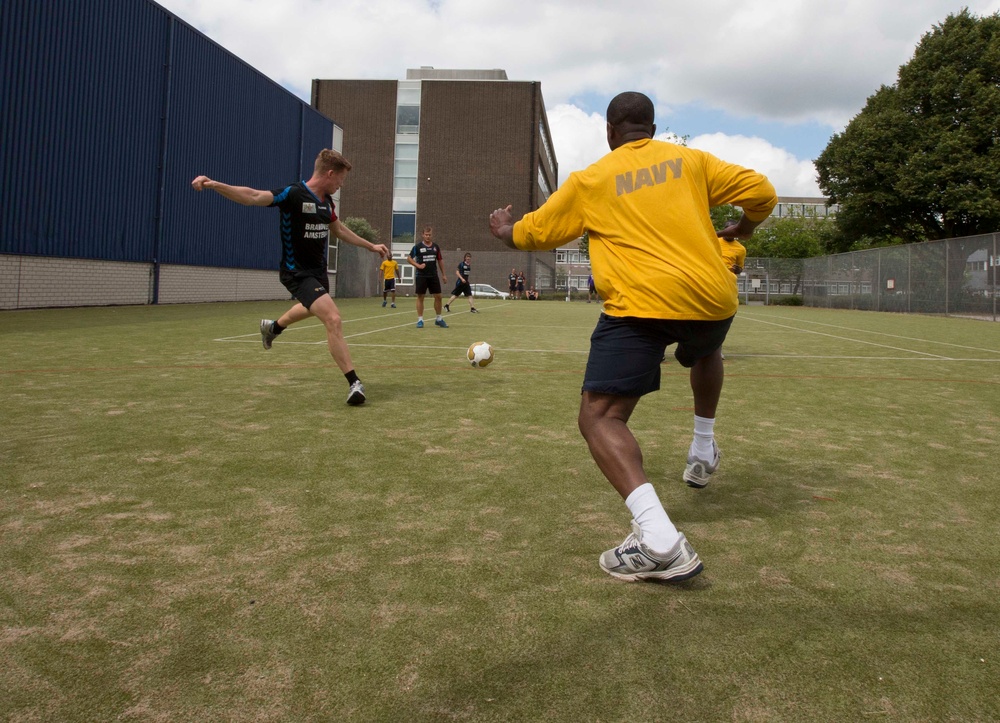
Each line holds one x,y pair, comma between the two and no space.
194,529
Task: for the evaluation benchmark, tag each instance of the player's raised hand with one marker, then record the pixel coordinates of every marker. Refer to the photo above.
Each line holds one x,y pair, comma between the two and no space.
198,184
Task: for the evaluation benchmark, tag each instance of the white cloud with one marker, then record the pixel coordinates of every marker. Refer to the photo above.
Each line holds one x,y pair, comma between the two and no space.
785,61
580,140
790,176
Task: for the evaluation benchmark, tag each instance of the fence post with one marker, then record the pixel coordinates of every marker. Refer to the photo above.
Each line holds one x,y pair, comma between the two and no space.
878,280
947,254
909,276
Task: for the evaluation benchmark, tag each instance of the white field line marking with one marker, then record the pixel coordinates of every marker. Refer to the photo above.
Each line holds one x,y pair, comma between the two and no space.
882,333
301,327
860,358
845,338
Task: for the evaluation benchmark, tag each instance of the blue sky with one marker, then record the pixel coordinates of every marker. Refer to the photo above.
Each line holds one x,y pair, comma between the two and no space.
764,85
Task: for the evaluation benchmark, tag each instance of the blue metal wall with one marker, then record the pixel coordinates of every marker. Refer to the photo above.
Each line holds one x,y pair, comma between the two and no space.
109,109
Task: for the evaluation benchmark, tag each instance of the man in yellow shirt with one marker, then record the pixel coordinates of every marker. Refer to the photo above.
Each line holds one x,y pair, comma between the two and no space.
390,273
657,265
734,256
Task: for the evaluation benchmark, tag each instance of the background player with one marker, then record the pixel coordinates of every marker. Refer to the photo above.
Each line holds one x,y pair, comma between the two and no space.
390,273
462,286
426,258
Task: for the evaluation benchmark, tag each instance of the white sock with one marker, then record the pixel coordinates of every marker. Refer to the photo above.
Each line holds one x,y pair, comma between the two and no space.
658,532
420,318
704,435
439,317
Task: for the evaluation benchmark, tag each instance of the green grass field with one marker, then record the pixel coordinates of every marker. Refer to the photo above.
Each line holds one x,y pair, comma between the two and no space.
194,529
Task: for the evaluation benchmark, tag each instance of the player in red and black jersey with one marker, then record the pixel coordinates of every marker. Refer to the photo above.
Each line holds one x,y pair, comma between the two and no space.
426,258
308,217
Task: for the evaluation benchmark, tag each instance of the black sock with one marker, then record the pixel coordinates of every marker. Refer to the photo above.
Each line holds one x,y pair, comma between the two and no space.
352,377
276,328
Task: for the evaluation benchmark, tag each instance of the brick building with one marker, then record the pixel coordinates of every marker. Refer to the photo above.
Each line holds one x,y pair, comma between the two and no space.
445,148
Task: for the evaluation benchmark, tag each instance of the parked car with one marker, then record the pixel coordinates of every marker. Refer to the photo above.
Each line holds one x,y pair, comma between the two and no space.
485,291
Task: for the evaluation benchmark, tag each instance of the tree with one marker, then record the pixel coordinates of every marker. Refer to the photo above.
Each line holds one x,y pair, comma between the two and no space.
721,215
787,241
585,245
362,228
922,159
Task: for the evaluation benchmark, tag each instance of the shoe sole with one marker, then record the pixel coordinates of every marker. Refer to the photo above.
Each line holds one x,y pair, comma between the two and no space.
356,399
685,572
695,476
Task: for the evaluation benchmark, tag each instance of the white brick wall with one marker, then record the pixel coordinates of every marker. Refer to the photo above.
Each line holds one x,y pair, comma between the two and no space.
193,284
28,282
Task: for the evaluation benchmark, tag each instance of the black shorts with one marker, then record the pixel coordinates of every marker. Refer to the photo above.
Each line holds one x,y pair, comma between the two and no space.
626,351
390,285
462,288
425,284
305,286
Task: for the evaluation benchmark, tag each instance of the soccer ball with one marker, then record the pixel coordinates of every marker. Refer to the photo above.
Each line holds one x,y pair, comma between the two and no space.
480,354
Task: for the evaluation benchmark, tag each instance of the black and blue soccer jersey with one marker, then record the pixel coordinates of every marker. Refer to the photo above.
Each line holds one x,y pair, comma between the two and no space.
305,227
464,269
429,255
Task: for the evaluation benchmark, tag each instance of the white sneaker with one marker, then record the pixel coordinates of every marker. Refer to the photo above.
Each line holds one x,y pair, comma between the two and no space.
266,335
633,560
698,471
357,394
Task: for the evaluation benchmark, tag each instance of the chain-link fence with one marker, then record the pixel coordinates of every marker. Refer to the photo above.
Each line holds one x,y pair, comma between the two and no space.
769,281
956,277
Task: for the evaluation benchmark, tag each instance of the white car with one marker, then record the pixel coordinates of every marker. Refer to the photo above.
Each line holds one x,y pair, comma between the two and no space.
485,291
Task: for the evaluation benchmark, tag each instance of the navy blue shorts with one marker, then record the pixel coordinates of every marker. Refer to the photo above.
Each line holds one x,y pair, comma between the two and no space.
305,286
425,284
626,351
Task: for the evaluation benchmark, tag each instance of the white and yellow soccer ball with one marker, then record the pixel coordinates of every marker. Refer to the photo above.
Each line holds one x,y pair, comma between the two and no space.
480,354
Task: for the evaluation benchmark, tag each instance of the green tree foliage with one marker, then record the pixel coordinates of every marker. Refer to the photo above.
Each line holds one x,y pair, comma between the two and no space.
922,159
792,237
787,241
585,245
722,215
362,228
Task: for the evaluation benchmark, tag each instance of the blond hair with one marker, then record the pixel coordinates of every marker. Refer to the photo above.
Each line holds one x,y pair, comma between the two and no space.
329,160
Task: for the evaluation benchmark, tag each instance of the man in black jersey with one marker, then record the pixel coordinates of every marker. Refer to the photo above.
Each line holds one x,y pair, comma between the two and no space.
426,258
307,220
462,286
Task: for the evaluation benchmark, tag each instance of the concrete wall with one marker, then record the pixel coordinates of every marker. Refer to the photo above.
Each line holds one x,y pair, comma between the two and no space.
32,282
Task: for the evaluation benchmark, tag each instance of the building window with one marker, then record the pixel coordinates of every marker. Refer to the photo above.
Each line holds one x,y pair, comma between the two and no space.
547,146
403,225
407,119
543,185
